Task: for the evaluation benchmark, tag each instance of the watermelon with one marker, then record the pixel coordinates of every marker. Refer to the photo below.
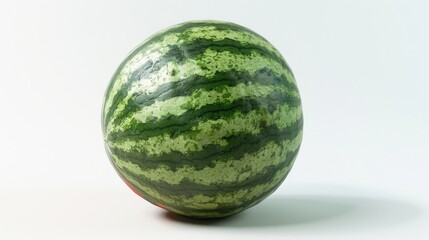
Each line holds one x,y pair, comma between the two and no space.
203,119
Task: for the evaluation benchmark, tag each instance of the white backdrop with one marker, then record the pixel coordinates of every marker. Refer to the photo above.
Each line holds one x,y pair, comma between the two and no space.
362,70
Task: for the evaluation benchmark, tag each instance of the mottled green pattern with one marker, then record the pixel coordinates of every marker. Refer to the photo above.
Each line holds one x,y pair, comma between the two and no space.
223,171
212,132
203,118
176,106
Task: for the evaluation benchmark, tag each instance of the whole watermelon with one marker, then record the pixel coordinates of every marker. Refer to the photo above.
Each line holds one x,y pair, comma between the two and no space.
203,119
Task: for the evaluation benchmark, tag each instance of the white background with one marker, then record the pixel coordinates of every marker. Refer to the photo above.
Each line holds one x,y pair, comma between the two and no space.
361,67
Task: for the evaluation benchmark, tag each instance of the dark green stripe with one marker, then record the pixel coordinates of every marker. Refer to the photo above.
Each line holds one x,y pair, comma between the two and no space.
237,147
186,87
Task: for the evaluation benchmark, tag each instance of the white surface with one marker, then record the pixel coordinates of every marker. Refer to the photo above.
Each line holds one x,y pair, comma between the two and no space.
362,71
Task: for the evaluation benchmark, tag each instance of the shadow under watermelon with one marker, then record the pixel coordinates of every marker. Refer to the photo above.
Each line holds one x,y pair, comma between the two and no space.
339,213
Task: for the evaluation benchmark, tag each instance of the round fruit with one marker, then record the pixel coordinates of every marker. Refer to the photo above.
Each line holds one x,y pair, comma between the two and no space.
203,119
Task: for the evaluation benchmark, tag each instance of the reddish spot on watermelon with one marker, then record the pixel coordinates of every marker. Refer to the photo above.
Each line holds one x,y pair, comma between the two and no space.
132,188
160,205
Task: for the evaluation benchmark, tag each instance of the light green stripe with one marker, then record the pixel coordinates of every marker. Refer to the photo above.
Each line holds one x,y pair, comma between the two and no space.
212,132
179,105
223,171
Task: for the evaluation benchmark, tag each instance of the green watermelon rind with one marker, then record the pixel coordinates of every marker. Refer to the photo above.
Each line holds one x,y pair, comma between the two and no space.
203,119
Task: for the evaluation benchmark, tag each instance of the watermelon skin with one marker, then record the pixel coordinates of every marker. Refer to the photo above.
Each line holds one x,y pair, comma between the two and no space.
203,119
